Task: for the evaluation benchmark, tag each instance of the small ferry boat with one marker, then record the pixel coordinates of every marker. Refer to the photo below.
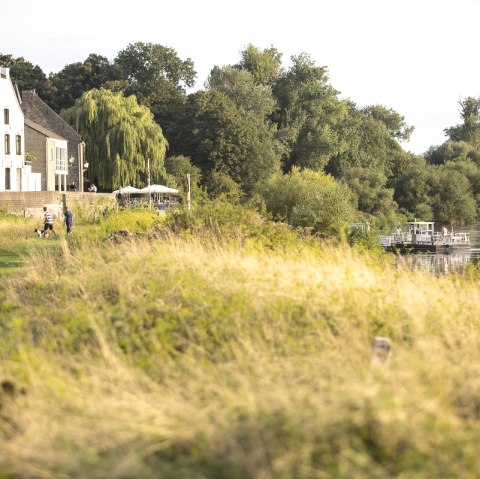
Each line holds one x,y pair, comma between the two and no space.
421,237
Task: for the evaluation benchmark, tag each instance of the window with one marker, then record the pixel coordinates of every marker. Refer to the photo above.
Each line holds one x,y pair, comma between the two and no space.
6,116
7,144
7,179
18,143
61,159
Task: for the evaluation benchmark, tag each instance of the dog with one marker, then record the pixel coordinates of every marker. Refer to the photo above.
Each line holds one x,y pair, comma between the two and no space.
39,232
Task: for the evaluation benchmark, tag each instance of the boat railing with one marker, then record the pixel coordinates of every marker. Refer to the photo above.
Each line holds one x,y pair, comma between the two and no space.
421,238
388,240
460,238
385,240
452,238
425,239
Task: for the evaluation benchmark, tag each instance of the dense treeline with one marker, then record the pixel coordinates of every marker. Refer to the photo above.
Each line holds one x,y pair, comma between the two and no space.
256,131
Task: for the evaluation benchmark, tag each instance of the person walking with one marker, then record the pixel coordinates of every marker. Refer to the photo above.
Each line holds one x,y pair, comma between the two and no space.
48,222
68,219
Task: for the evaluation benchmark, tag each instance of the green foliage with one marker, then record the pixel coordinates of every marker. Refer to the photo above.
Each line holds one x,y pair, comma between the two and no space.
442,193
218,135
453,202
149,67
394,122
413,190
121,223
97,207
220,185
452,151
363,236
264,65
177,168
222,220
369,188
469,130
158,77
240,87
24,74
75,79
469,169
309,199
308,115
368,142
120,136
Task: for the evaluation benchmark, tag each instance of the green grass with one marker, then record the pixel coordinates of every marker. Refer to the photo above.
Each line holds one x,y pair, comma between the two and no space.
205,346
9,260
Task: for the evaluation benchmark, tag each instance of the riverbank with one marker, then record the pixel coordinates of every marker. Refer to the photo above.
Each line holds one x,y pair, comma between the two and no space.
235,352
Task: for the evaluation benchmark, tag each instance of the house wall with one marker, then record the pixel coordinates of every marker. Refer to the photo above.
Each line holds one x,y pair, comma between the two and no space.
37,147
11,162
38,111
44,150
50,165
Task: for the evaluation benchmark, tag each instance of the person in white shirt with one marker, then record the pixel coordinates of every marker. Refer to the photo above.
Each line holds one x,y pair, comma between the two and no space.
48,222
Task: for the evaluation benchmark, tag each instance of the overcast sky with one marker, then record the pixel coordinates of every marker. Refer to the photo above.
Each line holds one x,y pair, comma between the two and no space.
419,57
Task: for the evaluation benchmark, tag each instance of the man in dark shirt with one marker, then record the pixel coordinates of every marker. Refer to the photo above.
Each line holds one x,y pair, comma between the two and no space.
68,219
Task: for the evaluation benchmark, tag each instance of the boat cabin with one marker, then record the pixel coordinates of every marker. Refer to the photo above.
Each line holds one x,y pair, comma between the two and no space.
420,227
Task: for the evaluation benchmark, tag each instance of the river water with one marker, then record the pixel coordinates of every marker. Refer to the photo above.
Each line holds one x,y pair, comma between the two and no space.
438,264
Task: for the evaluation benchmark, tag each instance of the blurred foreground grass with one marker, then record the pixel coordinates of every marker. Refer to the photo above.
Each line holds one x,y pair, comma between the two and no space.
232,353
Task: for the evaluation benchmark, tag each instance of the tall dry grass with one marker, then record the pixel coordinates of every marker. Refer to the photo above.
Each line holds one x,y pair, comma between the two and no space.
182,358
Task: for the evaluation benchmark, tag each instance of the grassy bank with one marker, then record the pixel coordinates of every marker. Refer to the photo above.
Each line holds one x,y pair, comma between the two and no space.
187,348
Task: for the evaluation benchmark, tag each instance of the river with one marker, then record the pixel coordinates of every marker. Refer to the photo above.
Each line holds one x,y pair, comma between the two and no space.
438,264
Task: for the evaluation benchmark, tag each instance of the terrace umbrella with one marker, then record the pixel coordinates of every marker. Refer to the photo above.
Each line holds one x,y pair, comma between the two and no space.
127,190
158,189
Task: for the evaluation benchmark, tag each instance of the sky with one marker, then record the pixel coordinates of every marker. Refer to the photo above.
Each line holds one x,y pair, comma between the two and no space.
418,57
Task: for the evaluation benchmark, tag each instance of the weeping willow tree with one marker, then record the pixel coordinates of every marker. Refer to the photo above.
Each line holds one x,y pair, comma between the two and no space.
120,137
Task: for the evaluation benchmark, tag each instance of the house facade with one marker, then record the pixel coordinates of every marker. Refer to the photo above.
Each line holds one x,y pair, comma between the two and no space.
49,151
14,174
37,111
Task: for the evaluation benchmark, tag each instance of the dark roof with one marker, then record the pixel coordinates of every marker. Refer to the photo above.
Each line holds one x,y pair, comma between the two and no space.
35,109
42,130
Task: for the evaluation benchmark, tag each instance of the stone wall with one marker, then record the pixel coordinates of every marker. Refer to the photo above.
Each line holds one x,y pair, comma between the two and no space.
31,203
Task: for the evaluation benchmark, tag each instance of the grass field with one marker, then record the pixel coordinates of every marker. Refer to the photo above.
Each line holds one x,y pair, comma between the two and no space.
225,348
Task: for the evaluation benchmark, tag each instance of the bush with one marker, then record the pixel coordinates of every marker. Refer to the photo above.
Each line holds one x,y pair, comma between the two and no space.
309,199
221,220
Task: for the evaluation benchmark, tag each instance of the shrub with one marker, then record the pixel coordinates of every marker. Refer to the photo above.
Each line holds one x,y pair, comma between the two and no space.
309,199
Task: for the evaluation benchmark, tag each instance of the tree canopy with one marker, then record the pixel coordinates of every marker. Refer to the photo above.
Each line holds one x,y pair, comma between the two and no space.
74,79
218,135
252,120
469,130
264,65
121,137
25,75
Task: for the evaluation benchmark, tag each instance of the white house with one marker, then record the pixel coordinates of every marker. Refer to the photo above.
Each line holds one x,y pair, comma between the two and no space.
14,174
